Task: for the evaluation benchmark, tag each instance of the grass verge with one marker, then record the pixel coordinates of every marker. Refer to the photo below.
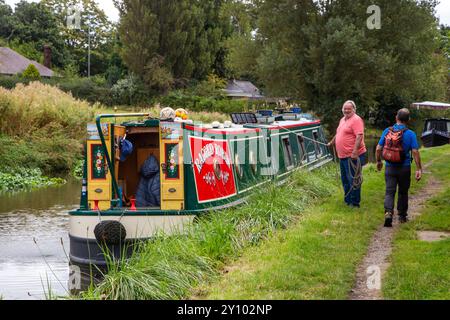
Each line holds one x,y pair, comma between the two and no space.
420,270
316,258
170,267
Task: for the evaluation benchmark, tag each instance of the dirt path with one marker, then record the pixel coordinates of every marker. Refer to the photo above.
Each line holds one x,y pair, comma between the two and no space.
376,262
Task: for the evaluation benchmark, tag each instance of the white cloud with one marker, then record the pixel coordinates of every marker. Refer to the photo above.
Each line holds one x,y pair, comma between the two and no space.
106,5
442,10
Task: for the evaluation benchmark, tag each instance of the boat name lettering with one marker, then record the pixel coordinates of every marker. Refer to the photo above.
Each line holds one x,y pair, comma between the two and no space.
207,152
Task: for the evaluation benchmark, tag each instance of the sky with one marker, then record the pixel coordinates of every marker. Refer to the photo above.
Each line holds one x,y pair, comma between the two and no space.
442,10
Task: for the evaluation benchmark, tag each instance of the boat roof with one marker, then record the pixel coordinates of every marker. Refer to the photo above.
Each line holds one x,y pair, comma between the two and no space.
437,119
254,127
431,105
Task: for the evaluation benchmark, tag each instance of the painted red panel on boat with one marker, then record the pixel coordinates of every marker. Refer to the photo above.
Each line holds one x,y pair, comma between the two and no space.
213,169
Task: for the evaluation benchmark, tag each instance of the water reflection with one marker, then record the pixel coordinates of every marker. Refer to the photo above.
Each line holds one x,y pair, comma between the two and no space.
371,145
34,241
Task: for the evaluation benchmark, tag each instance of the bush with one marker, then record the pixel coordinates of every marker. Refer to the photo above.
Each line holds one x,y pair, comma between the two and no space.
205,96
41,127
22,179
129,91
84,89
9,82
42,109
31,73
178,99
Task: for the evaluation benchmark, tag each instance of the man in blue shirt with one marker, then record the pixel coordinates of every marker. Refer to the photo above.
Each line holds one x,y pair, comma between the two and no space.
399,174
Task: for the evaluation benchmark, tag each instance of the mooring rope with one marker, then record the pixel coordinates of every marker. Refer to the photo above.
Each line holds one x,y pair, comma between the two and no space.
301,135
337,174
357,177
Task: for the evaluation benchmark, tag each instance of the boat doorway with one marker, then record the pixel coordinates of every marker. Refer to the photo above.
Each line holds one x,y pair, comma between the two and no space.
133,172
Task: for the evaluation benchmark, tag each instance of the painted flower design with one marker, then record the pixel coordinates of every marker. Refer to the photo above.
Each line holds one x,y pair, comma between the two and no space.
172,161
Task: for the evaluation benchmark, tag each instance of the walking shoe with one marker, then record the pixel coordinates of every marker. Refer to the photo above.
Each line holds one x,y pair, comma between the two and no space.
388,219
403,218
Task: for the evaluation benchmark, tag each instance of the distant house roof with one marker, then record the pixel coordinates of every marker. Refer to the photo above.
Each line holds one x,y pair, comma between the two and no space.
242,89
12,63
431,105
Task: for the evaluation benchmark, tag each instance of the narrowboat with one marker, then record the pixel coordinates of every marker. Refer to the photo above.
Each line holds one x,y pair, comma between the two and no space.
199,168
436,132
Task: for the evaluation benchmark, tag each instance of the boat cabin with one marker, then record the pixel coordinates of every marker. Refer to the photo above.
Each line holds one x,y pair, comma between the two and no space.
146,176
198,166
436,132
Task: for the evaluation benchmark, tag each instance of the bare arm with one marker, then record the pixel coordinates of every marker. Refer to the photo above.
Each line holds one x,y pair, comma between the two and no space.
417,160
332,142
358,141
378,153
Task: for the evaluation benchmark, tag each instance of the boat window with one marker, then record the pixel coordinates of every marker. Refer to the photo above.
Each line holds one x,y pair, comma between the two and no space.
439,125
301,147
238,166
253,161
316,144
448,126
287,152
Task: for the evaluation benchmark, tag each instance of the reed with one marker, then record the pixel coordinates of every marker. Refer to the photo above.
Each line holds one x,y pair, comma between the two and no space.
42,109
41,127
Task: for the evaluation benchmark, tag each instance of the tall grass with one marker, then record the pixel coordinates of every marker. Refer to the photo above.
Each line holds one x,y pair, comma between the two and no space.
170,267
44,127
39,109
41,127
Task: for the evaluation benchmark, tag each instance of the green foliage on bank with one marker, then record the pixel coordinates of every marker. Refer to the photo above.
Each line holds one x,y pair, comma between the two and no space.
132,92
179,99
42,130
26,179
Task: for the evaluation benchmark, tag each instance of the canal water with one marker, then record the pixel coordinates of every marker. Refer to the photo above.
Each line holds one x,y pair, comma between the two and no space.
34,241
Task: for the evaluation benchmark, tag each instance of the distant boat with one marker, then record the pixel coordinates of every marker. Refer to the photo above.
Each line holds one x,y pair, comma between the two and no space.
436,132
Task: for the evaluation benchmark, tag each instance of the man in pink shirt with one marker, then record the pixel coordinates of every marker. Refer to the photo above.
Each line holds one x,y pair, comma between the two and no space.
350,147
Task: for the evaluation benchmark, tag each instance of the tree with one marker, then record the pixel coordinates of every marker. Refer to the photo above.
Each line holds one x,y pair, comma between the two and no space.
30,27
171,38
445,49
242,47
323,51
31,73
6,21
139,32
93,20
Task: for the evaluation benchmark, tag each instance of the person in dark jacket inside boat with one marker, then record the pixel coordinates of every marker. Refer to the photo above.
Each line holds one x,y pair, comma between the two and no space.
148,192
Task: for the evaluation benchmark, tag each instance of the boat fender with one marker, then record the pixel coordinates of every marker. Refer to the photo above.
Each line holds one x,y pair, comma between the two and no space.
110,232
